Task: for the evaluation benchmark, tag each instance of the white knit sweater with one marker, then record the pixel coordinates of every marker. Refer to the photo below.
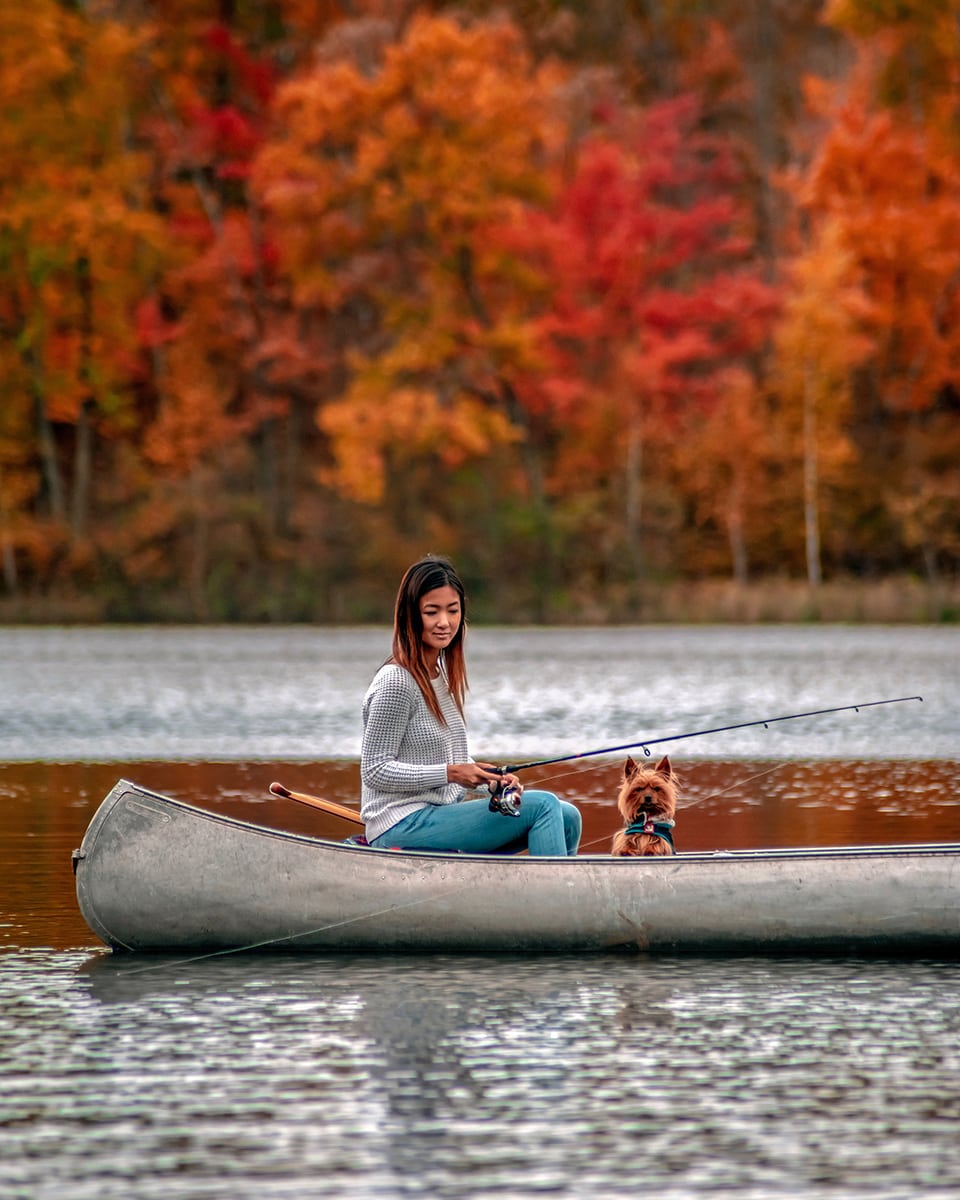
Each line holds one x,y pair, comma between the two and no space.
405,750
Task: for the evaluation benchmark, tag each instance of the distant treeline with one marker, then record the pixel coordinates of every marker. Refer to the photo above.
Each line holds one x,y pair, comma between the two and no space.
594,297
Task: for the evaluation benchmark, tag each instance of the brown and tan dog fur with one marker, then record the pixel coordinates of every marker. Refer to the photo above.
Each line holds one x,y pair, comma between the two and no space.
651,790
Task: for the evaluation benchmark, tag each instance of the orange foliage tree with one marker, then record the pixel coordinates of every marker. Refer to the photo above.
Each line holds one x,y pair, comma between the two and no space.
916,49
210,311
78,245
819,341
382,186
725,464
888,185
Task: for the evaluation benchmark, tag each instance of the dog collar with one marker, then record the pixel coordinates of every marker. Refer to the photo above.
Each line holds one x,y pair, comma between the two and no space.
660,829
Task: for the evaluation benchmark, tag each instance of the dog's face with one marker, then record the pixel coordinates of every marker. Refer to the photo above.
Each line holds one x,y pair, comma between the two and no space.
652,790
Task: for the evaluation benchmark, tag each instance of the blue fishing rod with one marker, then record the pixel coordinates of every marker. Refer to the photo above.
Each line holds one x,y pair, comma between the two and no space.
645,743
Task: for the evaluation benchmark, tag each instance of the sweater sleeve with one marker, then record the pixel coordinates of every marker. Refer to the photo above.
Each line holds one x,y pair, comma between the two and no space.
389,711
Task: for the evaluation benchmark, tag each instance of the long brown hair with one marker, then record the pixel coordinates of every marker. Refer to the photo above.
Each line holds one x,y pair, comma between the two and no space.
426,576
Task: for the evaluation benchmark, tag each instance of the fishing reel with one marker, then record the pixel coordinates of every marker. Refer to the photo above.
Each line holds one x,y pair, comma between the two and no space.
504,799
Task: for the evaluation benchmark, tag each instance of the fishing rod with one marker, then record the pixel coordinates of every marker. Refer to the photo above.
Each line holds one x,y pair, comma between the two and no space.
645,743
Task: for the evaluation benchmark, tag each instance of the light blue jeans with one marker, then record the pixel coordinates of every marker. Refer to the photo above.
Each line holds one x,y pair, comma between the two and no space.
545,826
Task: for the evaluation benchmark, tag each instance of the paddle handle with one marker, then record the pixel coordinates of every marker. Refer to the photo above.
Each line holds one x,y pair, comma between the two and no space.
329,806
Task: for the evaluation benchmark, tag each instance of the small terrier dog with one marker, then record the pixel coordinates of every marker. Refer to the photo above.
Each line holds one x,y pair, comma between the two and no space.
648,802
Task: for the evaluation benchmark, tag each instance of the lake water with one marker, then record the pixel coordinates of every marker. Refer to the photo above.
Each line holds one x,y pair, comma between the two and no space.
243,1076
227,694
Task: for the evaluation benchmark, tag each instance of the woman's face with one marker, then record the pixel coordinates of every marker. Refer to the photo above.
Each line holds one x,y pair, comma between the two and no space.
440,616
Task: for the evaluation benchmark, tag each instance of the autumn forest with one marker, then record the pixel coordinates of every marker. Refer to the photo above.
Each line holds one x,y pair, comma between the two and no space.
595,296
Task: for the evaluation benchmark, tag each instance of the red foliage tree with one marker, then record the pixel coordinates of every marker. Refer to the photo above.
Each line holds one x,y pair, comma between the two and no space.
650,299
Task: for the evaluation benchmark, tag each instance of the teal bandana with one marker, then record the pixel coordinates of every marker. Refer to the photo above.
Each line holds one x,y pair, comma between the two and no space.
660,829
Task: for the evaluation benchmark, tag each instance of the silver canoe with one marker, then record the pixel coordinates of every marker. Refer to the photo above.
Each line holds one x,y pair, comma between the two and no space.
154,873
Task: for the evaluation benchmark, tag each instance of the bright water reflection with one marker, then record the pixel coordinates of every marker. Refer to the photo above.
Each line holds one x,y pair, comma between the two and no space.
303,1077
116,694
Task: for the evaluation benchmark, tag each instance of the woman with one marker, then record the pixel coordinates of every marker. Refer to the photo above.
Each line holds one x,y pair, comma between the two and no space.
414,766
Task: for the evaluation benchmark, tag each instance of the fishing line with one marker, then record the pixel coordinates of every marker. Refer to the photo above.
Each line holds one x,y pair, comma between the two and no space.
723,791
580,770
687,804
645,743
288,937
697,799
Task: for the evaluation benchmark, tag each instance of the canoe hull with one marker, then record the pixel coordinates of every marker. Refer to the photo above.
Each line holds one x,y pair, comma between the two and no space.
156,874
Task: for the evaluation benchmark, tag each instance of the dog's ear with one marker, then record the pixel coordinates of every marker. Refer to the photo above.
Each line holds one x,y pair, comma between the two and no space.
629,768
663,766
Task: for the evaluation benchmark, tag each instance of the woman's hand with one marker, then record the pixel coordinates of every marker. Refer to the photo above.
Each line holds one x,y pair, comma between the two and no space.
474,775
511,781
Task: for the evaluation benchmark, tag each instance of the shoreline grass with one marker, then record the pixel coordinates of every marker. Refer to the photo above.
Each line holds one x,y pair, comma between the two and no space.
892,600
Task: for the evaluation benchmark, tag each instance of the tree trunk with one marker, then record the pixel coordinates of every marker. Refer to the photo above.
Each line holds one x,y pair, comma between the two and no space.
811,511
291,465
10,579
930,567
542,559
199,556
47,443
6,545
738,545
82,474
83,445
267,445
766,52
633,496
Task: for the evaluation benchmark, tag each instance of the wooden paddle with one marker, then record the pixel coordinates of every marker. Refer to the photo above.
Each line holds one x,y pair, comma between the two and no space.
329,806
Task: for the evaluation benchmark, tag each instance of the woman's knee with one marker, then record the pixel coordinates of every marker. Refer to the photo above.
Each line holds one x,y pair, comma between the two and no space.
572,826
572,819
547,803
540,802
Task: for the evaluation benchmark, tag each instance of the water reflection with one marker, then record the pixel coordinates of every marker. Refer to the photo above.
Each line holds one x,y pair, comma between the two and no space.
240,1076
456,1061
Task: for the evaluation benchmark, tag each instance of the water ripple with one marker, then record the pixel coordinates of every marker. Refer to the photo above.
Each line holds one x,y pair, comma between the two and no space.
293,1077
122,694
